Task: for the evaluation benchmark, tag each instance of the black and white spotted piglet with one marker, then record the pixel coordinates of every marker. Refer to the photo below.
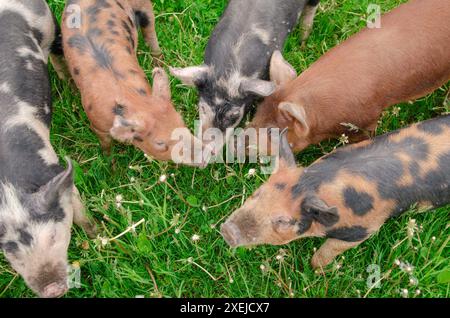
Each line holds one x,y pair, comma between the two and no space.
38,199
235,72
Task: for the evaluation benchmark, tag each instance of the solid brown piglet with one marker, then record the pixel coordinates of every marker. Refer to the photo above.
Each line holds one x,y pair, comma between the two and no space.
406,58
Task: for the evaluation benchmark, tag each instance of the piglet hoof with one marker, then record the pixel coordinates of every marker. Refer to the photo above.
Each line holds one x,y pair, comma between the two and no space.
113,164
158,59
318,262
91,229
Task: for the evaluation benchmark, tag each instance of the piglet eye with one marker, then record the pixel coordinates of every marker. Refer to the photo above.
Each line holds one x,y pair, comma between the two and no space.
160,145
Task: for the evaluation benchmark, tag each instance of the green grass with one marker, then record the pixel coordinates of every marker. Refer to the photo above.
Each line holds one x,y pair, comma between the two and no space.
162,247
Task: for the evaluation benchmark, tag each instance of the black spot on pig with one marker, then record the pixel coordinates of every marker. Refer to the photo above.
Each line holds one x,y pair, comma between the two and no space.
348,234
97,7
94,32
436,128
142,91
37,7
2,229
131,41
359,202
377,162
99,51
78,42
142,19
434,187
111,24
102,56
30,172
430,129
31,86
25,237
313,3
280,186
53,212
10,247
120,5
129,33
38,35
119,110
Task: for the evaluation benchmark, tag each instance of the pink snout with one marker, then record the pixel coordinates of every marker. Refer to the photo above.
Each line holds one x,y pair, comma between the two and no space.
54,290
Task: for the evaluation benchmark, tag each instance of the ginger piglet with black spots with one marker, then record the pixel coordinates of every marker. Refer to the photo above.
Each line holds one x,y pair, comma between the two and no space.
349,194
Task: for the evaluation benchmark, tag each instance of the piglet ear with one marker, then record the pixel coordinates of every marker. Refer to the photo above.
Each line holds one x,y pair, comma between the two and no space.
161,86
295,114
127,130
189,75
258,87
281,71
60,184
285,157
320,211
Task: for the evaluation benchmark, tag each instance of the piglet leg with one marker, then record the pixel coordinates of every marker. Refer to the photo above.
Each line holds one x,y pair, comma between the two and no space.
79,215
145,17
329,250
105,141
60,67
308,14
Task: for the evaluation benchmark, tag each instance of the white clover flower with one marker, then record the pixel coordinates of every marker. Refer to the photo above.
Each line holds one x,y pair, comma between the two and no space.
177,231
104,241
413,281
396,111
344,139
262,267
404,293
417,292
119,199
397,262
251,172
195,238
163,178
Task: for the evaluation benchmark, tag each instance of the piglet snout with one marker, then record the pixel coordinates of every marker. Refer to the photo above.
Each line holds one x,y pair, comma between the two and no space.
230,233
54,290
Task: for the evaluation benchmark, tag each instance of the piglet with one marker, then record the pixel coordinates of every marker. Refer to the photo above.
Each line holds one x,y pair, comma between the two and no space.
235,72
347,195
407,58
38,199
100,40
